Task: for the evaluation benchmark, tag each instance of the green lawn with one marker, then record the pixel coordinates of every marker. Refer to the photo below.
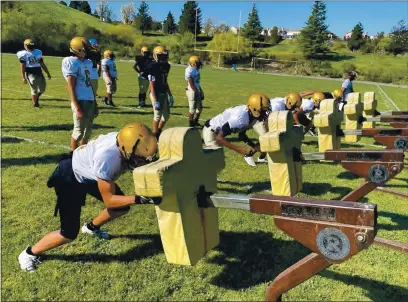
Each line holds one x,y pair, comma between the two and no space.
132,266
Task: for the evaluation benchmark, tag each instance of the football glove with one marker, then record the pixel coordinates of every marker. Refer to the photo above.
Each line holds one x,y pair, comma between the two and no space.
171,101
148,200
202,95
157,105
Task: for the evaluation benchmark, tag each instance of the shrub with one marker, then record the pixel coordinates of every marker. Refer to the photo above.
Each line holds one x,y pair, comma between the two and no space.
347,67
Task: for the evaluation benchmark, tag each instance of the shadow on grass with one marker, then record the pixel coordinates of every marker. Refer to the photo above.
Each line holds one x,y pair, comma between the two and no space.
145,250
347,175
35,160
54,127
42,100
375,290
252,258
11,140
127,112
318,189
400,220
245,188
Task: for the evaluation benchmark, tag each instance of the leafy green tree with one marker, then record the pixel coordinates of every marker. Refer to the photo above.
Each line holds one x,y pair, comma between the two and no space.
399,38
227,41
274,38
169,26
143,20
314,37
357,39
74,4
253,28
188,18
85,7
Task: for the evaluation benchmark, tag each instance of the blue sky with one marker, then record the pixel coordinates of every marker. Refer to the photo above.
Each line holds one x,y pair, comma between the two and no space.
341,16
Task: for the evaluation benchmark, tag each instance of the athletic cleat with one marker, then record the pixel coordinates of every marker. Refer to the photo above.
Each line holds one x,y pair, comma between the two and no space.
111,104
104,101
97,233
262,160
28,262
250,161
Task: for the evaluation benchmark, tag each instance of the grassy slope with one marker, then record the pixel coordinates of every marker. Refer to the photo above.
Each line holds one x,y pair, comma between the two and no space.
132,265
287,50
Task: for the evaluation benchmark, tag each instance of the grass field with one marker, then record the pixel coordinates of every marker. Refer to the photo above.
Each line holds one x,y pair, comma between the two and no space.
132,266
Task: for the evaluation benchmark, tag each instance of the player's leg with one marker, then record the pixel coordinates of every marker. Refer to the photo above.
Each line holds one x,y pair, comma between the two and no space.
34,89
79,127
156,117
95,85
191,107
165,110
89,115
113,88
199,109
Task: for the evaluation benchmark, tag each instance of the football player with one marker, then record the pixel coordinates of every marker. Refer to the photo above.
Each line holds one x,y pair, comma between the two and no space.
238,119
110,76
160,93
31,66
194,92
95,56
93,169
140,66
77,72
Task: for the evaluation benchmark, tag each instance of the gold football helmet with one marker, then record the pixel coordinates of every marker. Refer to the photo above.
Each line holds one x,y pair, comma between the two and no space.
79,46
337,94
29,44
108,54
137,143
160,51
317,97
293,100
144,49
258,104
195,61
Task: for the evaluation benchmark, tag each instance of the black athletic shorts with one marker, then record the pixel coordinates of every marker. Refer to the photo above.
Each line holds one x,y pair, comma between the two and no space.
71,196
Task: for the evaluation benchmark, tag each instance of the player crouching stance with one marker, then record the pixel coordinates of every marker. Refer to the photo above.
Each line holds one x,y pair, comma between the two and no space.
77,72
158,72
140,66
31,62
194,93
93,170
110,76
237,119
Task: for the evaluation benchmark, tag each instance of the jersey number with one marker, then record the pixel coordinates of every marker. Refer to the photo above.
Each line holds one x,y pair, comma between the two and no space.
87,78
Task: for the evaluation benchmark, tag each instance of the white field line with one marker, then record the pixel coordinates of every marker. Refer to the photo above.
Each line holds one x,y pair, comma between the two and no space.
37,141
388,98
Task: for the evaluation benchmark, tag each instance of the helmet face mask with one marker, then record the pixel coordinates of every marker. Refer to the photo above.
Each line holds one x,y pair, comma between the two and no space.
94,44
160,54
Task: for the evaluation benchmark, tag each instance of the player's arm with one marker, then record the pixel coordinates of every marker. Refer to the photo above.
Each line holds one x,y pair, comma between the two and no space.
305,93
45,68
296,115
243,137
71,90
112,201
220,138
106,70
152,86
23,71
136,67
191,82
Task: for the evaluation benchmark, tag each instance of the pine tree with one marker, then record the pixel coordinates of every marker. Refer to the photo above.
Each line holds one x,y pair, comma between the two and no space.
143,20
188,18
169,26
253,28
356,40
314,39
85,7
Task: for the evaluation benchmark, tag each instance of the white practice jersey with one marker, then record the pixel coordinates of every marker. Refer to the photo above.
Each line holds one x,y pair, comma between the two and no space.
31,58
195,74
278,104
237,117
111,65
99,158
307,105
72,66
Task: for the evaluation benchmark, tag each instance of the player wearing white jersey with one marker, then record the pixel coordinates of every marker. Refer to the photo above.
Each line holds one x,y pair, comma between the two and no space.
194,92
237,119
93,169
31,65
77,72
110,76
